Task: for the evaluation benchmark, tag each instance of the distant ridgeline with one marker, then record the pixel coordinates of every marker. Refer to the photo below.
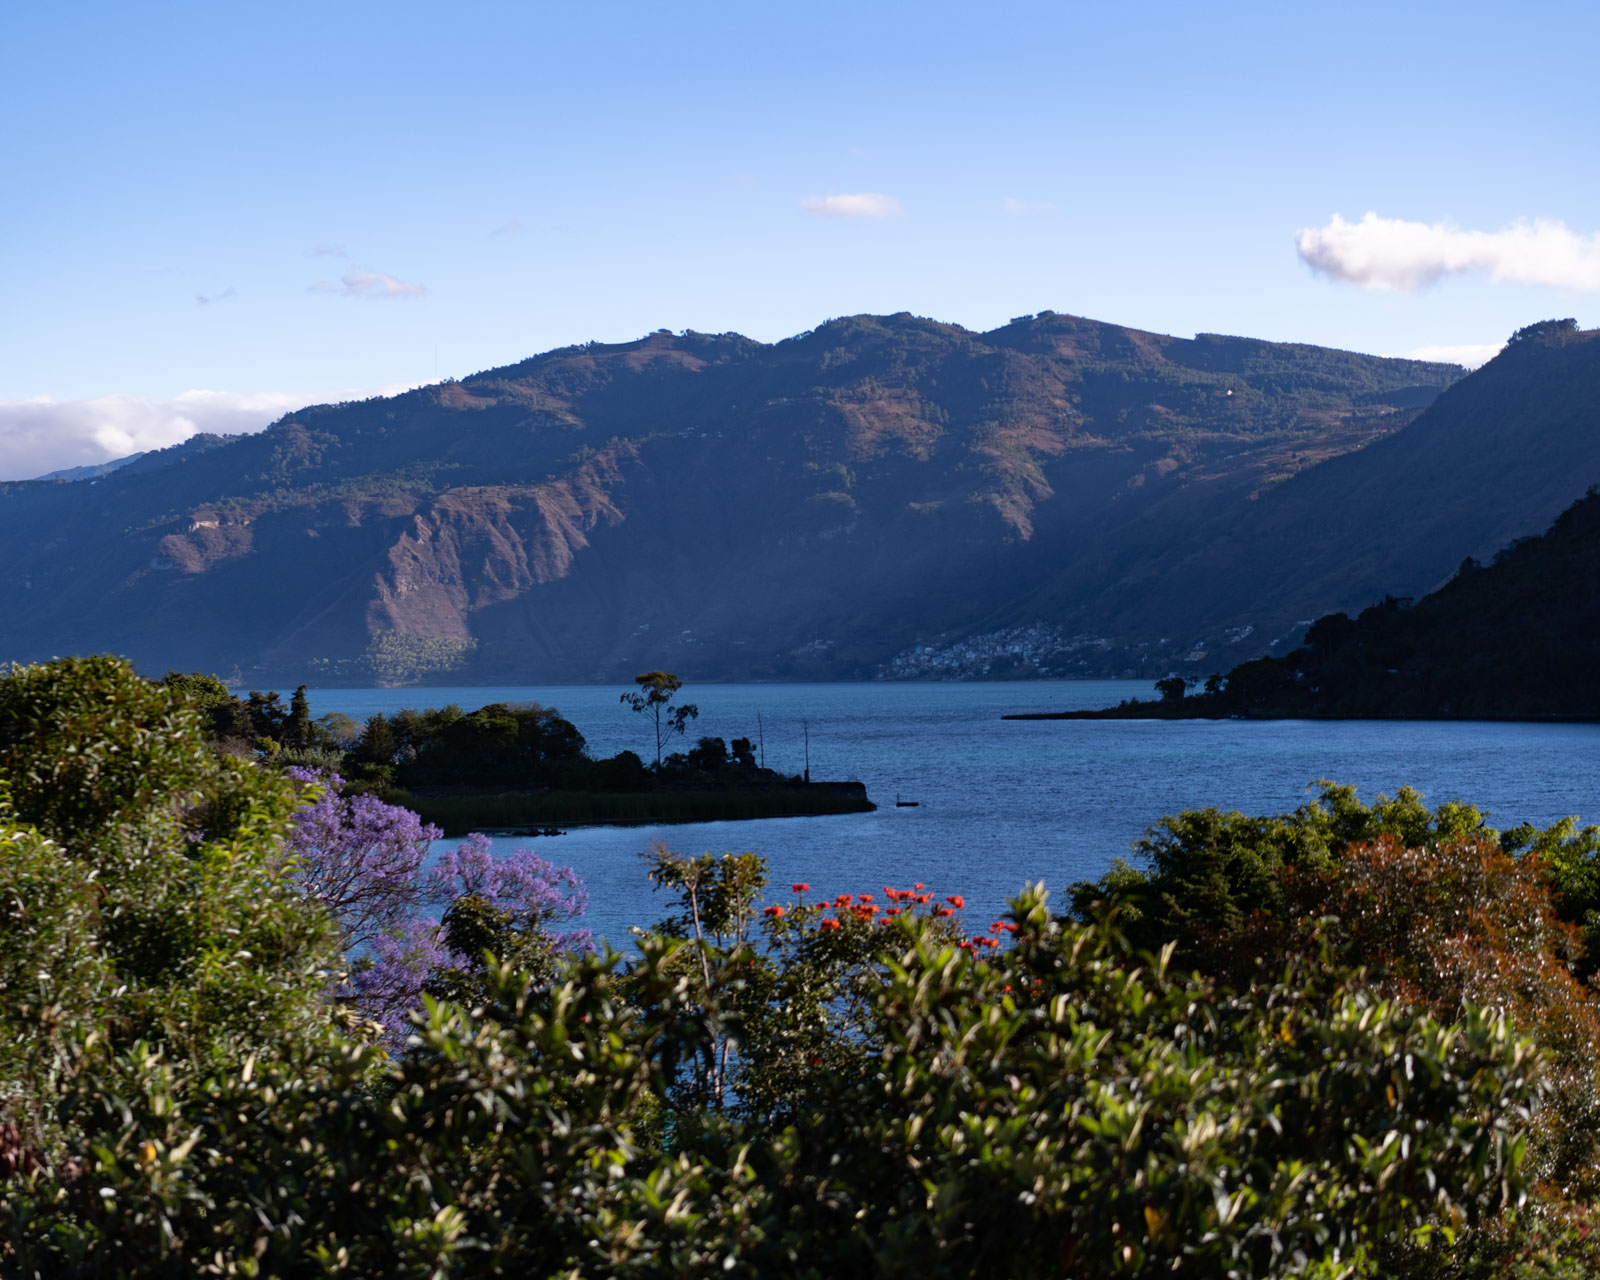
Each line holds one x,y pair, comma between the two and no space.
883,496
1516,640
806,509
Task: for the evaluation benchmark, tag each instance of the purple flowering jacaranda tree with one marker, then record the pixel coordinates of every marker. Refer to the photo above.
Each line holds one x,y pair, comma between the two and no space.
364,859
360,858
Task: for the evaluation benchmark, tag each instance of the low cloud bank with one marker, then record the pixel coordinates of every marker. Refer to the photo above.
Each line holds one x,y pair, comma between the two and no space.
43,435
1470,354
1390,253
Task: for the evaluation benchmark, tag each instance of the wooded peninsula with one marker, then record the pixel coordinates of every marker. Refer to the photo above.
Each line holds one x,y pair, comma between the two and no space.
520,767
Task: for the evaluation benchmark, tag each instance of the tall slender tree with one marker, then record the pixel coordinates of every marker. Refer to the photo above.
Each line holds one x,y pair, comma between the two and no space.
654,698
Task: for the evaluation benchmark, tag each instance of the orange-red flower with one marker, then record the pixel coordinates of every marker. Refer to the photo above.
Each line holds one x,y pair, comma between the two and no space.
956,901
800,888
828,925
773,911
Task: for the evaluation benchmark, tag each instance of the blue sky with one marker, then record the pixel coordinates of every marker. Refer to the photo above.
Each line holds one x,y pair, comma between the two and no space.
274,203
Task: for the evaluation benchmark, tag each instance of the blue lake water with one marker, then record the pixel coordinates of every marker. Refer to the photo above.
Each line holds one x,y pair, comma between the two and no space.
1001,803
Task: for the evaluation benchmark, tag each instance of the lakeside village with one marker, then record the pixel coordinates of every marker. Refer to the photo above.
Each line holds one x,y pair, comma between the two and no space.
1042,651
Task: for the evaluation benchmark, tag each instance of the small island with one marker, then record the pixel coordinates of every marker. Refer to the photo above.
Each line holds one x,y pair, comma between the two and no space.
522,768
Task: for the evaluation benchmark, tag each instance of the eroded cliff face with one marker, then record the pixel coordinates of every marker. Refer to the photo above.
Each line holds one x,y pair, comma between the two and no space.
484,545
708,503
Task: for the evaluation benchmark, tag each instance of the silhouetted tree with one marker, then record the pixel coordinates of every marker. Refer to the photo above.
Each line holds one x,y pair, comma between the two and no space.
654,696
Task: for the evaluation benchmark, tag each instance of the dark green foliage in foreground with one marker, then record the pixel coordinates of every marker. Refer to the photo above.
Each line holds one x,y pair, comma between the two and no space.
1435,907
804,1088
1058,1109
1205,871
142,898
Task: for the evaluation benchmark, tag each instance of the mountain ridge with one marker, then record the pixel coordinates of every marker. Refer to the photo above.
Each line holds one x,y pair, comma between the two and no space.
729,508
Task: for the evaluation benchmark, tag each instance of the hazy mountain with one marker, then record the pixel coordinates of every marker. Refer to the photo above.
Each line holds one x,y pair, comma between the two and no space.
727,508
1496,457
90,471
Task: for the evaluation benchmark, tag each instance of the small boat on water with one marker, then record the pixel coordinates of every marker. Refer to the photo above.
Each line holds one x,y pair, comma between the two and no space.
905,804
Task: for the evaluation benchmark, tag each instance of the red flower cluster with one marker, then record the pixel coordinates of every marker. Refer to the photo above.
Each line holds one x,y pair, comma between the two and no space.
862,906
774,912
859,905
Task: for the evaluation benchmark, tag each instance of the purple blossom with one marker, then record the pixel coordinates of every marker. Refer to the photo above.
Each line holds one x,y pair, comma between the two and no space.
388,981
522,881
360,858
574,942
363,860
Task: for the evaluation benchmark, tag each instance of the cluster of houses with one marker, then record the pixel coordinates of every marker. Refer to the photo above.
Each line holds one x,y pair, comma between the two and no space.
1039,649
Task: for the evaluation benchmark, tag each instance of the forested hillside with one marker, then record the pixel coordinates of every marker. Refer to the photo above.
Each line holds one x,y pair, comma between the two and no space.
1497,457
1517,639
720,506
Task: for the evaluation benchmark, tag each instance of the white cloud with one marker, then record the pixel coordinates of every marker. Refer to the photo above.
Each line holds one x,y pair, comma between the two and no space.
863,204
1012,205
358,282
43,434
1470,354
1390,253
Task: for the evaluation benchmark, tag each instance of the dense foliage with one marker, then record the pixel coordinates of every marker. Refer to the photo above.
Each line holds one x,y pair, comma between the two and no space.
142,895
1435,907
829,1083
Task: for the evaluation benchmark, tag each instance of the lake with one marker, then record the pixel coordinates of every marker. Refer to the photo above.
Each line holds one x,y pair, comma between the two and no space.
1001,803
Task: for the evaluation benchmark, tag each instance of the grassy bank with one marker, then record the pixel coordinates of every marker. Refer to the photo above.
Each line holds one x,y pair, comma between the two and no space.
458,813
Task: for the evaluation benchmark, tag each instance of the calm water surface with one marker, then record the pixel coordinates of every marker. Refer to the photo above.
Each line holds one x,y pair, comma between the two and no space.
1001,803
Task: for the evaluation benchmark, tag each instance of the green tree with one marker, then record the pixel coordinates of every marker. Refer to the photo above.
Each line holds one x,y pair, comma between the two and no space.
143,889
300,732
654,698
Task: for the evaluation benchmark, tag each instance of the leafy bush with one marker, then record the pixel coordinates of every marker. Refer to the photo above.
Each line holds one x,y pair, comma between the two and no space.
1051,1106
801,1087
143,900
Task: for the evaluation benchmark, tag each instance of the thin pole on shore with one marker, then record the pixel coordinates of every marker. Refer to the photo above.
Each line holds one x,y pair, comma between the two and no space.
761,737
806,726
